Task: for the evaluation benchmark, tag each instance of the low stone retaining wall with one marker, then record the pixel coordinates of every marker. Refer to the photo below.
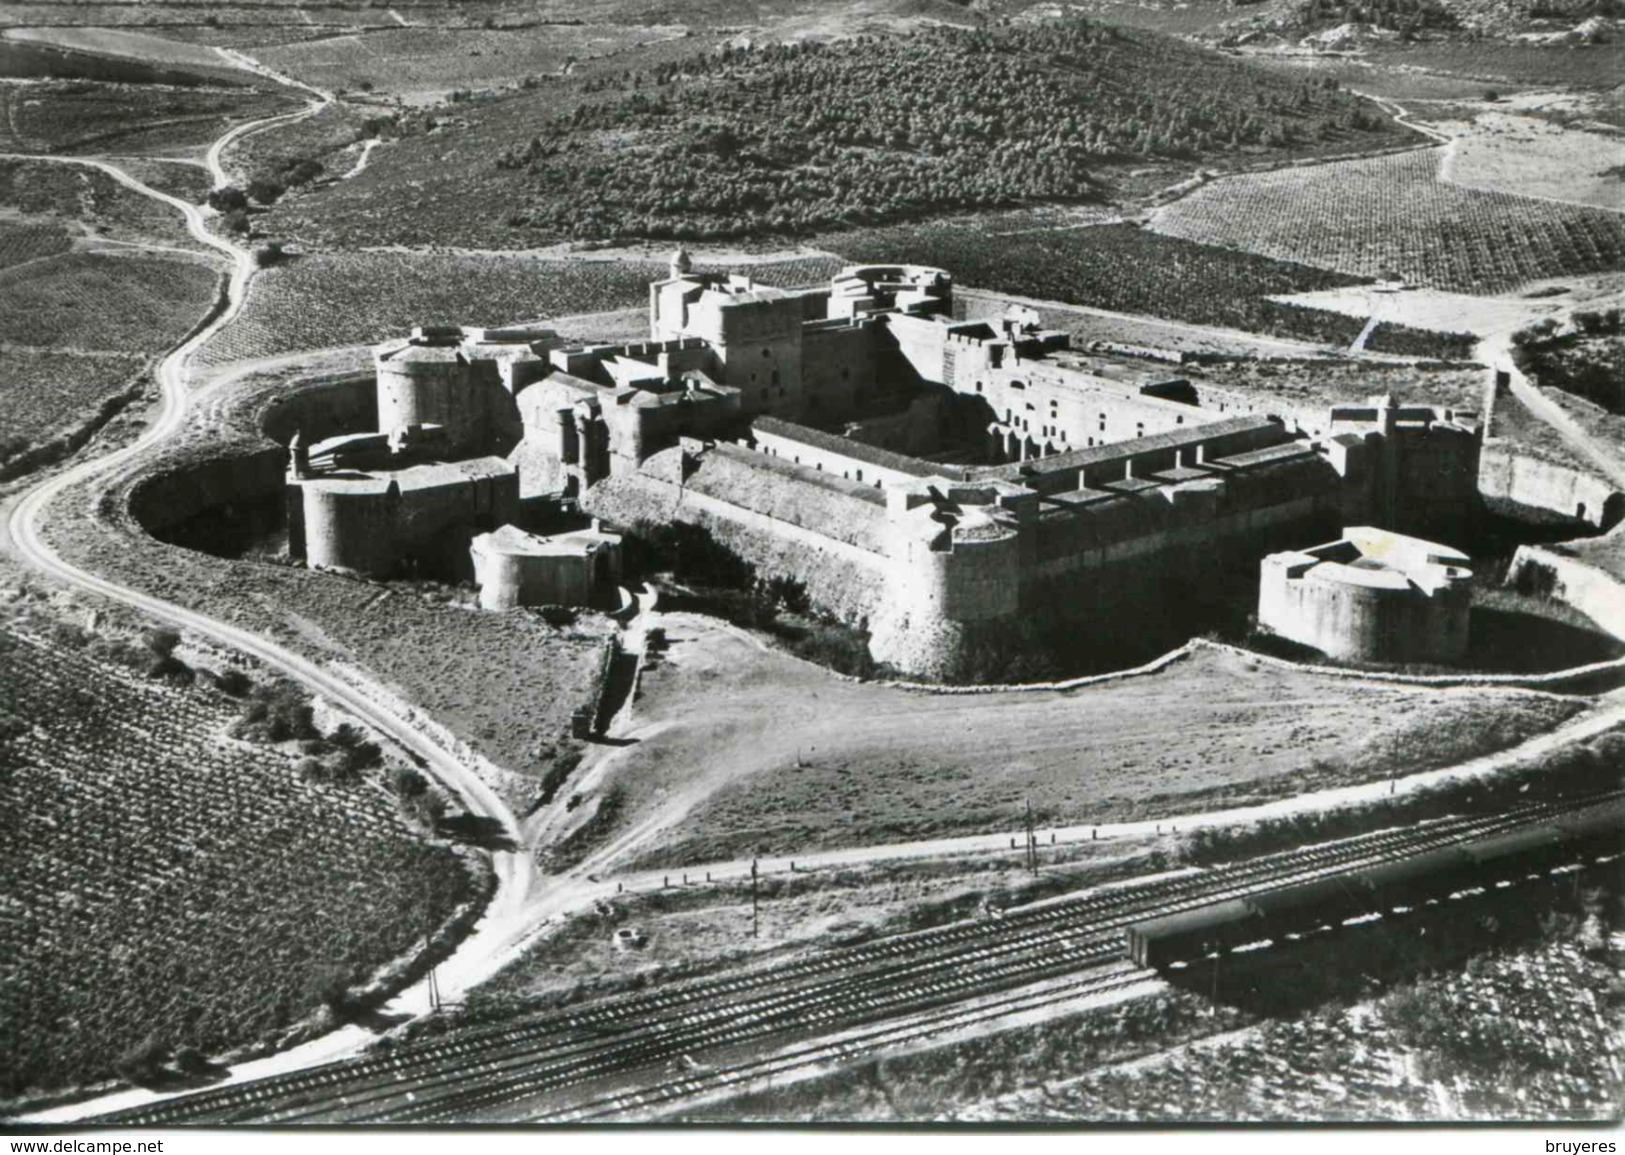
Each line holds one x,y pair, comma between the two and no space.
1533,483
1594,592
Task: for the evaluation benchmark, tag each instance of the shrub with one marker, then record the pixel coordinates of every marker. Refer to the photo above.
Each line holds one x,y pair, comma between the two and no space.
227,200
265,191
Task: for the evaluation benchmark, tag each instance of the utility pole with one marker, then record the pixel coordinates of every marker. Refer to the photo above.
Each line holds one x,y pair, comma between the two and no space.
434,992
755,907
1032,841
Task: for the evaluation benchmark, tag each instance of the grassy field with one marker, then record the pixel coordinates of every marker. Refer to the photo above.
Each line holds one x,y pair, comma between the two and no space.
706,928
167,883
785,757
87,117
1528,156
429,63
1392,213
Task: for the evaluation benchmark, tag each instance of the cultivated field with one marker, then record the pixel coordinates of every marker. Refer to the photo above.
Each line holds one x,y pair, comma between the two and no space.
20,243
428,63
785,757
81,116
92,301
47,192
323,300
1392,214
1595,66
1128,269
167,883
132,45
46,392
78,330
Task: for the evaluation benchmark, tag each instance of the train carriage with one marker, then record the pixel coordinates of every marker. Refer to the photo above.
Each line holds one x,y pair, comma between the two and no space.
1186,935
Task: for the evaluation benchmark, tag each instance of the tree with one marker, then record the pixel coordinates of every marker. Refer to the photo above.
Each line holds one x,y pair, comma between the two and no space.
227,199
264,191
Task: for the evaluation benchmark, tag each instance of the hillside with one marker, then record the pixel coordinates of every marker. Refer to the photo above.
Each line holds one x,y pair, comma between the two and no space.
786,138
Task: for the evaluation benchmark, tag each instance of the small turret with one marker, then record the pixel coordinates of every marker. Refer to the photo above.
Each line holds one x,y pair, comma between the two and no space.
681,263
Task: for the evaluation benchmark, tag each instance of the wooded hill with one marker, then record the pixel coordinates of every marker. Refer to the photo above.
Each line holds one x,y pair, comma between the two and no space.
792,138
795,137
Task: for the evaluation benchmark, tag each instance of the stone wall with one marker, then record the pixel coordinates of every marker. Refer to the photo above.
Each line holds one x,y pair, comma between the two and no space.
1593,591
1532,483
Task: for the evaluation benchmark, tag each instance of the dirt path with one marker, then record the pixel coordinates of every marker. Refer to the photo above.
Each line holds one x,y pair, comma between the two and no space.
1496,350
508,919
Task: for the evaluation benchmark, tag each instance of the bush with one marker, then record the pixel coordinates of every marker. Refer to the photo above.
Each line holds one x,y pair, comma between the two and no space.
162,641
265,191
227,200
408,783
233,681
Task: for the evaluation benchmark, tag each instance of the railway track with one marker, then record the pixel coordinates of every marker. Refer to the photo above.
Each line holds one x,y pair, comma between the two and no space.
564,1063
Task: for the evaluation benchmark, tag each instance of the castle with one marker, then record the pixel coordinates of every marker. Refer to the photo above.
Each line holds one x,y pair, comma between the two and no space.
938,482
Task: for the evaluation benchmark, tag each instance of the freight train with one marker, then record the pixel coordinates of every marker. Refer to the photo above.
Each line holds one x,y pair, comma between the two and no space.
1579,837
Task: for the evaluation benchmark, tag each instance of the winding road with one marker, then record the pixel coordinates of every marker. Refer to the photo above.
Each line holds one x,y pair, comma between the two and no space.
508,919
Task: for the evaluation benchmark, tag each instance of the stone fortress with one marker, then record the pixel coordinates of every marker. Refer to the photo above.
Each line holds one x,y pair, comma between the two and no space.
940,483
1371,596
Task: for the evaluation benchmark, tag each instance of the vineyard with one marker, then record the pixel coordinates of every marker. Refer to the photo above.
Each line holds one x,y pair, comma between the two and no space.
87,301
45,392
22,243
1118,267
88,196
81,116
1392,214
325,300
168,883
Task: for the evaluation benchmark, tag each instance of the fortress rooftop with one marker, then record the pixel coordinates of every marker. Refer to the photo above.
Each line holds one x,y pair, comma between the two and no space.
1378,559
